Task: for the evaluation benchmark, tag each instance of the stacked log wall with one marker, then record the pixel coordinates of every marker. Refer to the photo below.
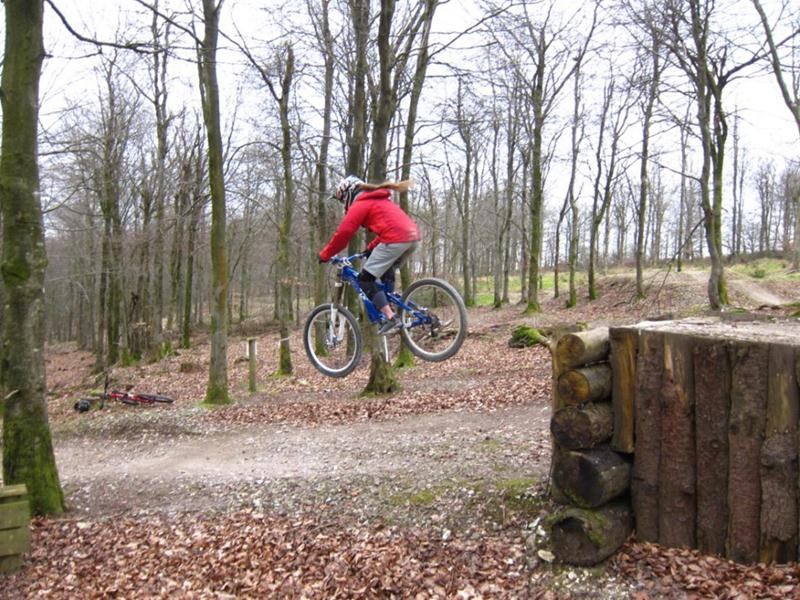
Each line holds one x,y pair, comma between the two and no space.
713,408
588,475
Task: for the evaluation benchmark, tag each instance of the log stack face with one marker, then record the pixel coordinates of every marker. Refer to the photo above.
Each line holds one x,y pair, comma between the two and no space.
713,411
588,475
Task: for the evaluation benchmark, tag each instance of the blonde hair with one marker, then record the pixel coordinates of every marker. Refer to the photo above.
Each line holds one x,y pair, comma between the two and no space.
398,186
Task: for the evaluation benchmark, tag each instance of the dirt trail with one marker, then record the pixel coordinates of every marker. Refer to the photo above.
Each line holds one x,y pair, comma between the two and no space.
755,293
259,465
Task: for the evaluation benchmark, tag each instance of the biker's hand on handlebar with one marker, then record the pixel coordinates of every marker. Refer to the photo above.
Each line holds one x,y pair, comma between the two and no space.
366,253
321,260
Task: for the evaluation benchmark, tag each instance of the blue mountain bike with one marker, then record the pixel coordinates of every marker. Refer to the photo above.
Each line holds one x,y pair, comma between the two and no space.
433,316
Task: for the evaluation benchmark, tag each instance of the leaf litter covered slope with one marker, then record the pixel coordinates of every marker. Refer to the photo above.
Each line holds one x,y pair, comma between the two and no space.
305,489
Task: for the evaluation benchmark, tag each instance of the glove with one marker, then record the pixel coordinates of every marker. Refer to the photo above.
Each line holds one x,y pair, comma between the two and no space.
366,253
321,260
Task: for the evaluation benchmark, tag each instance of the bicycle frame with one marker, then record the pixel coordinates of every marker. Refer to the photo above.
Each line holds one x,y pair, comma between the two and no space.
349,275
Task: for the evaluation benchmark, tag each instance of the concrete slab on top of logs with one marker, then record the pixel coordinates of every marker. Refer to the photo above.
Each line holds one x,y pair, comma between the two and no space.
713,407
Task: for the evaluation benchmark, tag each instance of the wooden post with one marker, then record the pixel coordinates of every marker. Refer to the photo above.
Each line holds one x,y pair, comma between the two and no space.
644,482
712,384
750,363
251,355
779,470
676,471
15,535
624,346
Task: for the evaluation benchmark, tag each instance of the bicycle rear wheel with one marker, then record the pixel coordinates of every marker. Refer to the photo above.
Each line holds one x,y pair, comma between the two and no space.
332,339
436,327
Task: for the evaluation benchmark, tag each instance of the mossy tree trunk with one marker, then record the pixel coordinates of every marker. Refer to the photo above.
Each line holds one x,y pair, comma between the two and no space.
27,447
392,62
382,378
217,390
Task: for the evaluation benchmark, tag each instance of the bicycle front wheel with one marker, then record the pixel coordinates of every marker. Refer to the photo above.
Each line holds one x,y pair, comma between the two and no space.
332,339
437,324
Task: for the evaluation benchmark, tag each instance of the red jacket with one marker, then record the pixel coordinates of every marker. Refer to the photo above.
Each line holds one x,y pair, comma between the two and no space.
374,210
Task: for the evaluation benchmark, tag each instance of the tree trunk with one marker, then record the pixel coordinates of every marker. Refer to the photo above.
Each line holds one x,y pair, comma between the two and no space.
27,446
196,210
217,389
285,228
644,179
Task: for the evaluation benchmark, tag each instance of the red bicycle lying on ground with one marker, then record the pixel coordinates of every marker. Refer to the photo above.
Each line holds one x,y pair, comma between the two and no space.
134,399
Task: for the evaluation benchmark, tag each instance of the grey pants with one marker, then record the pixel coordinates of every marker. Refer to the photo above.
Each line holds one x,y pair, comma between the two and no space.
388,256
382,262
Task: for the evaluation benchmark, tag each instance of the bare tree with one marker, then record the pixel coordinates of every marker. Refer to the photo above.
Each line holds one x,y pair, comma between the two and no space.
788,78
705,54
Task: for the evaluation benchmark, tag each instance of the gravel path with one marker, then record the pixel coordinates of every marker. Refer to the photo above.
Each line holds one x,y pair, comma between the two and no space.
288,467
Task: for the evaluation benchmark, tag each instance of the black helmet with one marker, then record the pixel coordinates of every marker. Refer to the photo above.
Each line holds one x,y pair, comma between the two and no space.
82,405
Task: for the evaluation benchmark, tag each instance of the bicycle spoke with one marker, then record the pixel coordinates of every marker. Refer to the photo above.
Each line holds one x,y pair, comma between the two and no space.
332,340
436,327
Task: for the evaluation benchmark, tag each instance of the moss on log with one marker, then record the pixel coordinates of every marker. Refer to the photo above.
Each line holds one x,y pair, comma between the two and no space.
586,537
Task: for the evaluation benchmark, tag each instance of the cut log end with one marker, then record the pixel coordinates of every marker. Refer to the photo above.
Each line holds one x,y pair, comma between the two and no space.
584,426
576,349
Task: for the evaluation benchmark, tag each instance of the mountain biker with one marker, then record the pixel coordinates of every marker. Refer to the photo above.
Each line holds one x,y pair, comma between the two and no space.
396,236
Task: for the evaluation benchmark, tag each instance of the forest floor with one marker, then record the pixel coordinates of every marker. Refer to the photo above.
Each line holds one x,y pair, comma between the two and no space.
306,489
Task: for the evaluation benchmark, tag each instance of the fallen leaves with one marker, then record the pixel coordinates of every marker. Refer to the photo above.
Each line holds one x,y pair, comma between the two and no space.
662,572
250,555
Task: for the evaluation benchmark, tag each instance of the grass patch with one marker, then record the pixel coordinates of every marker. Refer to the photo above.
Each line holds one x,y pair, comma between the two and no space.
763,268
424,497
490,446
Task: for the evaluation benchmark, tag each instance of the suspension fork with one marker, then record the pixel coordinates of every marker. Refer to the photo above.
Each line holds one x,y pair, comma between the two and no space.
338,290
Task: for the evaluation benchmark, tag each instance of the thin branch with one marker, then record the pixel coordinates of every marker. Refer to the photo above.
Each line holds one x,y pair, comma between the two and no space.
140,47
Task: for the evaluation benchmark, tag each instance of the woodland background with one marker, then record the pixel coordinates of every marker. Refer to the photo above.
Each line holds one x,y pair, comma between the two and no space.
545,138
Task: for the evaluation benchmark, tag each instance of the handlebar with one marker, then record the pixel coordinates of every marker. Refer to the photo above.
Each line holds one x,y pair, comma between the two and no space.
346,260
